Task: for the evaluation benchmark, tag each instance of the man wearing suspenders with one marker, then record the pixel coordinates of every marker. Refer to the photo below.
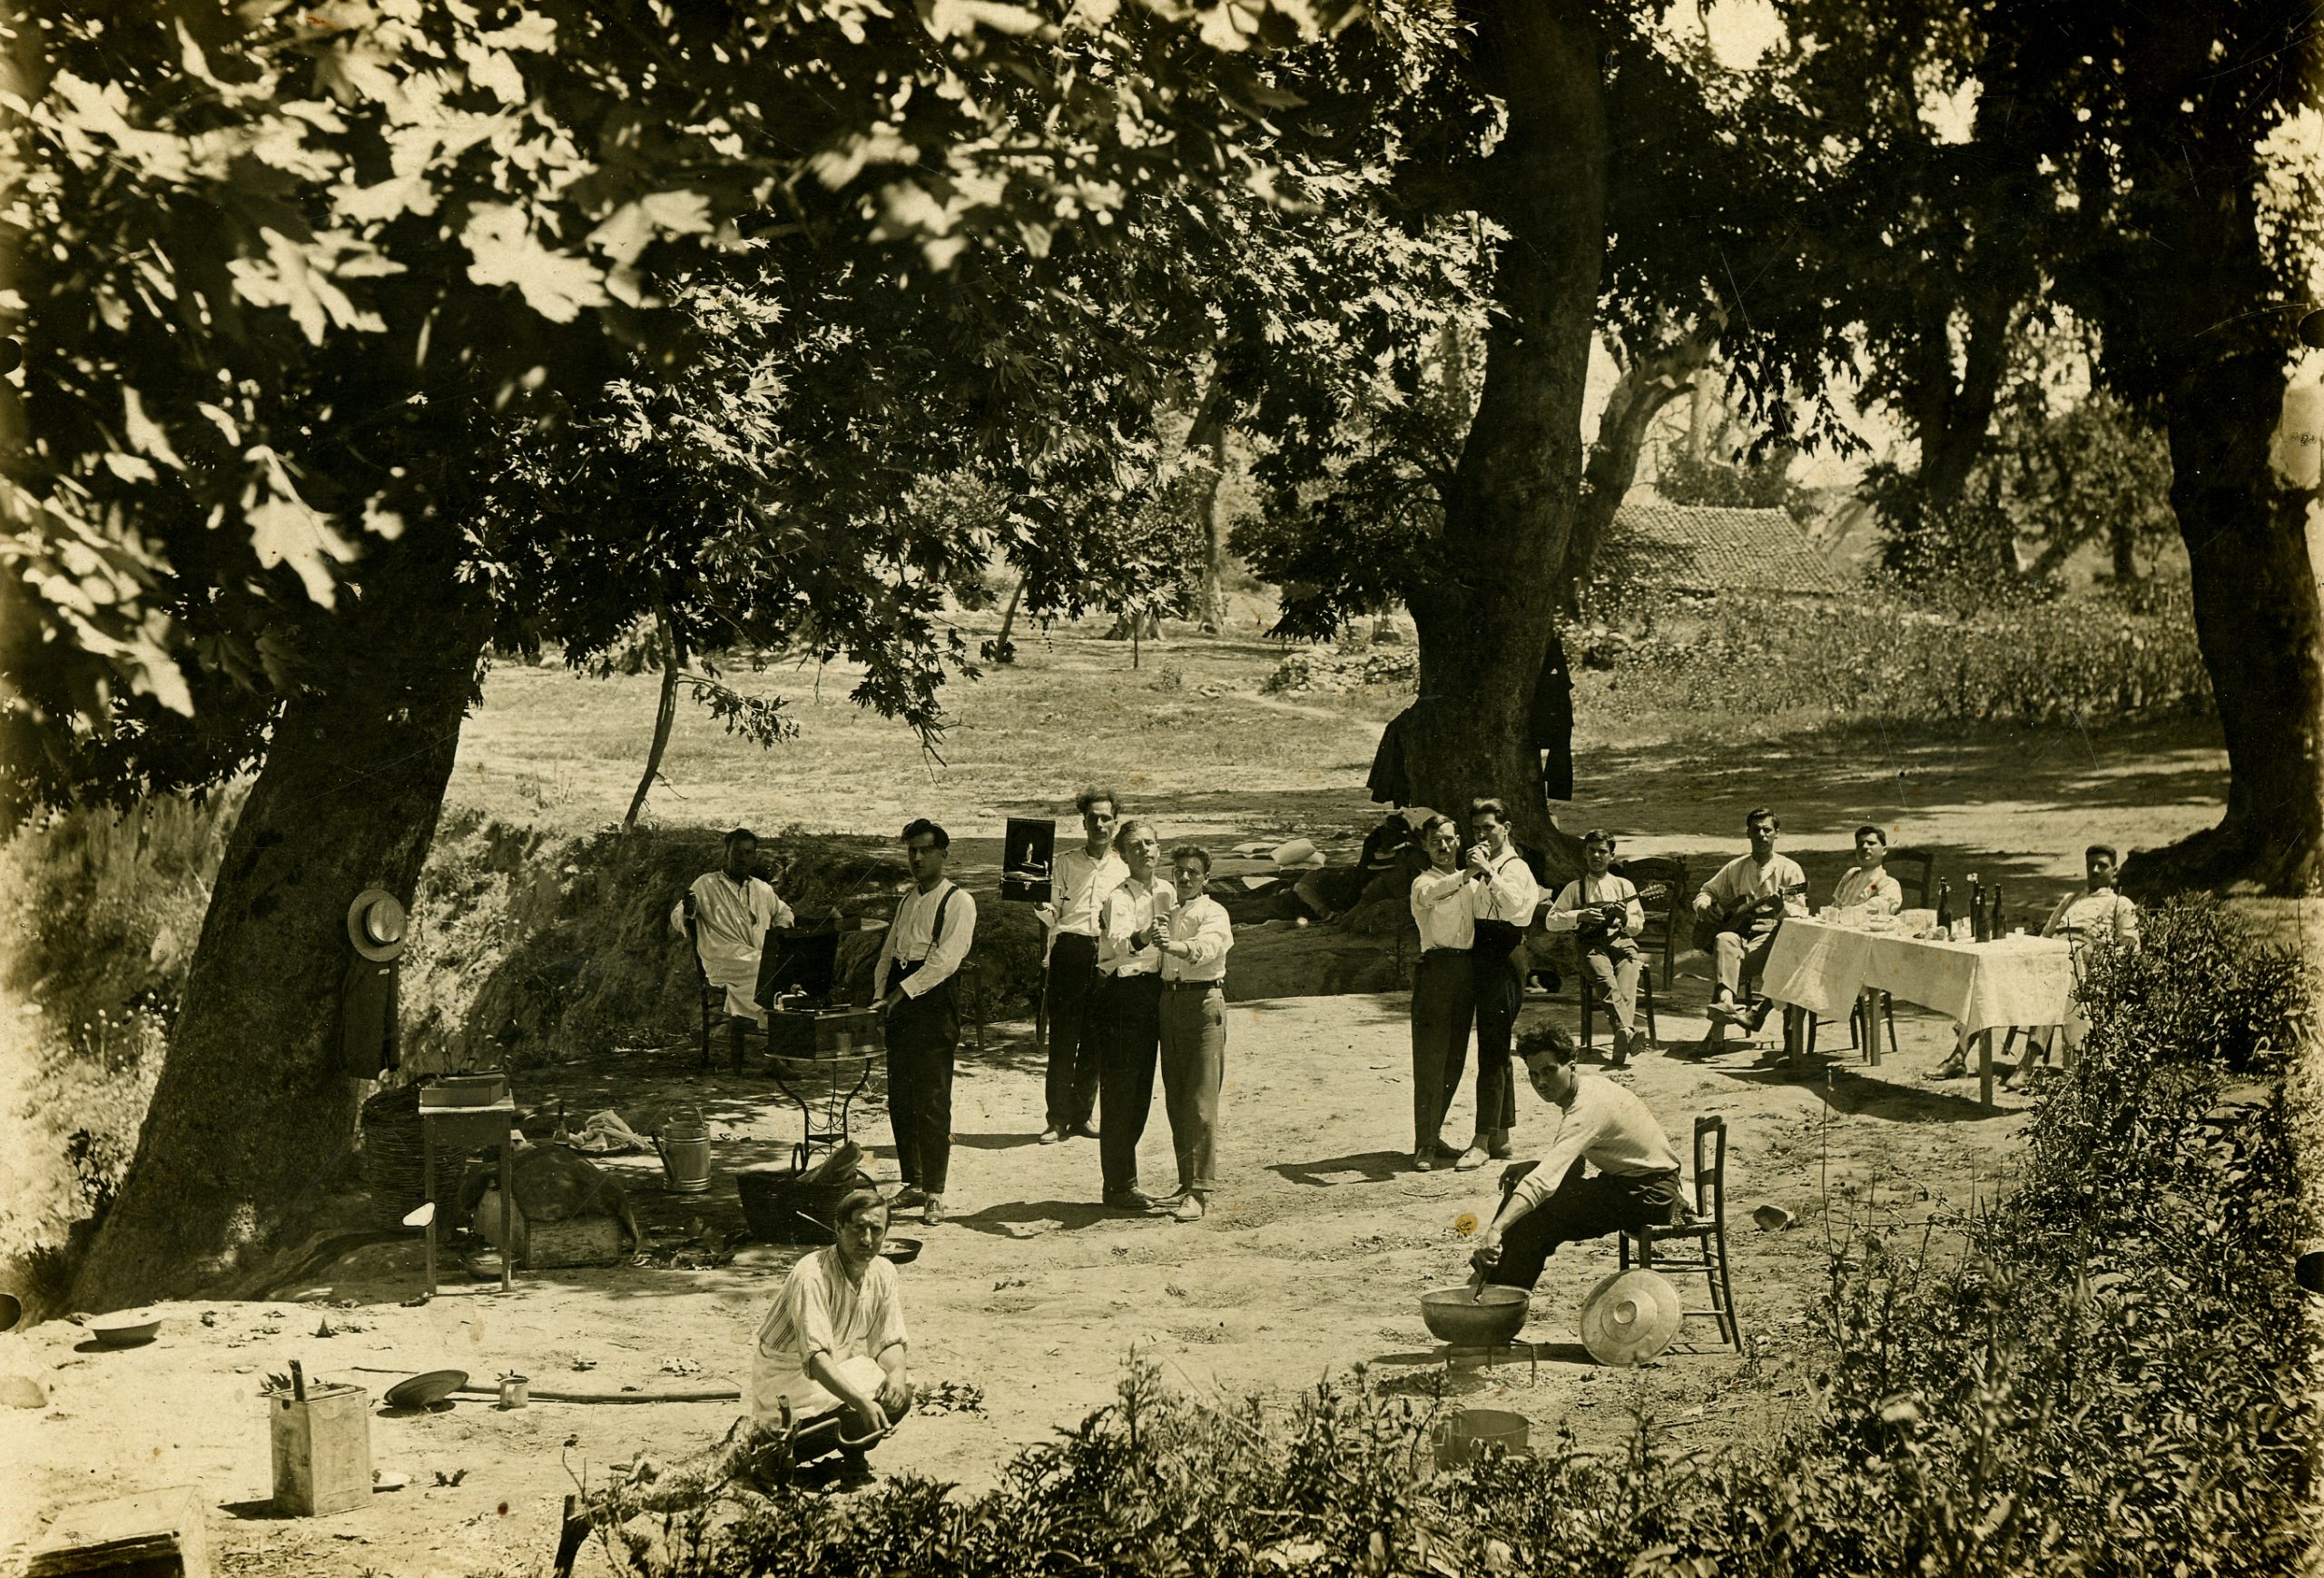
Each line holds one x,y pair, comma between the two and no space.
912,986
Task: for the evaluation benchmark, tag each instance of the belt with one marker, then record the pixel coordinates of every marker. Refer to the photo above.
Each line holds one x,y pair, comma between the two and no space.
1217,985
1427,953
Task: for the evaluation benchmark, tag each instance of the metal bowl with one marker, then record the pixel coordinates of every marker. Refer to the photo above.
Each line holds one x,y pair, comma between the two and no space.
1468,1319
425,1391
126,1328
902,1251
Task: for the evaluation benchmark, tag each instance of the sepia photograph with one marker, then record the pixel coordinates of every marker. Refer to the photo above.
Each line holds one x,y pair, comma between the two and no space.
1289,788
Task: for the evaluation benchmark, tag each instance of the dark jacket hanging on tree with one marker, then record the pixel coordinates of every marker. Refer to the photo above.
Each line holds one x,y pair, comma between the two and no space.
1551,727
370,1043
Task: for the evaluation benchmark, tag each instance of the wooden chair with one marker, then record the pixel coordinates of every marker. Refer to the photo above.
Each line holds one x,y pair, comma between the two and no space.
1865,1019
1594,1000
1706,1232
1667,913
710,998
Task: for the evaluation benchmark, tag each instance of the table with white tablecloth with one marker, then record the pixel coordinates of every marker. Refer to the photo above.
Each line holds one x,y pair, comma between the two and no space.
1980,986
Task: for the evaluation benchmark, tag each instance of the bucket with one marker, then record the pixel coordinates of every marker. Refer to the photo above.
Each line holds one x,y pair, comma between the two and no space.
684,1149
1474,1429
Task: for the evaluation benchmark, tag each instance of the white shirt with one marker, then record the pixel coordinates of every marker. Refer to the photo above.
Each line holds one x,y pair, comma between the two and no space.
1510,894
1441,909
1586,891
1872,887
820,1311
908,939
2104,914
1202,924
730,926
1606,1127
1078,886
1128,910
1743,878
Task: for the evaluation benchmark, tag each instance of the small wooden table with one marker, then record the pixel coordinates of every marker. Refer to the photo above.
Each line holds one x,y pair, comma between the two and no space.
466,1128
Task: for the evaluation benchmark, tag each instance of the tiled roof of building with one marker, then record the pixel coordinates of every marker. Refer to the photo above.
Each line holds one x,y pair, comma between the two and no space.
1712,549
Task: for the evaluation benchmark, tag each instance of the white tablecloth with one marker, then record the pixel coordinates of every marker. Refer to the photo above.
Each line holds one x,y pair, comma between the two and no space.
2013,980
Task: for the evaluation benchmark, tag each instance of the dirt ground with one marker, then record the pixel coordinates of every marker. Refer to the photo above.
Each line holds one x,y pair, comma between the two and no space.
1312,1262
1315,1253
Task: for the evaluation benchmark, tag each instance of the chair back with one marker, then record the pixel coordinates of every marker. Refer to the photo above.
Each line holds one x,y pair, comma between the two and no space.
1710,1170
1663,915
1924,862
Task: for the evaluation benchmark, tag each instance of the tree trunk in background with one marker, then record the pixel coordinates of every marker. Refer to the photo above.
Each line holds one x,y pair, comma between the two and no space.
252,1111
1645,387
2257,621
2123,539
665,716
1000,651
1483,610
1208,438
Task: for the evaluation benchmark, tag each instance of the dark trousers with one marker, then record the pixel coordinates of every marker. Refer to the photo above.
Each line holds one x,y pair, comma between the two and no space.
1129,1036
1499,988
1194,1066
1579,1208
923,1033
1444,1001
1074,1054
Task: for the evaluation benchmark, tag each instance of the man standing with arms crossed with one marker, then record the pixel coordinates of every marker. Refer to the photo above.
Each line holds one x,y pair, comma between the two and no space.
912,986
1503,896
1195,941
1444,987
1082,879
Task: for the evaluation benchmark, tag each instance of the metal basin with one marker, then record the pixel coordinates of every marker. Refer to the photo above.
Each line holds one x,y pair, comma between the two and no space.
1468,1319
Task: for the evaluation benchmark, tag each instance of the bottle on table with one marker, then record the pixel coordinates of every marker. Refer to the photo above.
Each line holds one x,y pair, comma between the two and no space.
1976,910
1944,909
1993,928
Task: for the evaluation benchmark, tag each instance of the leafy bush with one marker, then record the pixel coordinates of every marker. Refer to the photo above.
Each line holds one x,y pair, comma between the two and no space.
2106,1379
2090,661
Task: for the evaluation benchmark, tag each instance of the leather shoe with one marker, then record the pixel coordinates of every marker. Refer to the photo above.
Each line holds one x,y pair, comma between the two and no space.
1470,1160
1190,1209
1083,1131
934,1212
1758,1014
1423,1161
1051,1136
904,1199
1131,1200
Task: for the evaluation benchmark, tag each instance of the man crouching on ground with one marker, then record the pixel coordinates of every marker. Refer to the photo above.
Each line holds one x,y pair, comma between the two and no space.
1547,1203
828,1369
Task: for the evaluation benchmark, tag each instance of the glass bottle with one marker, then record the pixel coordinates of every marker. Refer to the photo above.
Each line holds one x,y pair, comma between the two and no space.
1976,912
1944,909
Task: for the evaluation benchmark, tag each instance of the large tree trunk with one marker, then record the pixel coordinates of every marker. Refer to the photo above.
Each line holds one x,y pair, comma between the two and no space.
2256,620
1646,386
1483,610
1207,437
252,1111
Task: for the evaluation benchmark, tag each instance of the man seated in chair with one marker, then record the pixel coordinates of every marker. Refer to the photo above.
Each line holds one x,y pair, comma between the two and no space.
1549,1202
1603,912
828,1366
730,911
2097,914
1737,914
1867,884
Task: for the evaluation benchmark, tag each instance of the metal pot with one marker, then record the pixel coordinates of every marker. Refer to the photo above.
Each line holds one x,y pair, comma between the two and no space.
1470,1319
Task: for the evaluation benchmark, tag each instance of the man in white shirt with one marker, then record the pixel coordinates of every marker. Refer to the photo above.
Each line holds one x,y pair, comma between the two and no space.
913,984
1547,1203
1445,986
732,911
1195,940
1603,912
1867,882
1741,908
1131,924
2098,913
1082,879
1502,897
828,1363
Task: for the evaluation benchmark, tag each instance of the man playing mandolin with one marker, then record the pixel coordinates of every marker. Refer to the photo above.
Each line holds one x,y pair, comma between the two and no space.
1736,916
1605,917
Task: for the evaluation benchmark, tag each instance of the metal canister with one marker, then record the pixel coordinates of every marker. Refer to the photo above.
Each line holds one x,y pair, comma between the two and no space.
515,1391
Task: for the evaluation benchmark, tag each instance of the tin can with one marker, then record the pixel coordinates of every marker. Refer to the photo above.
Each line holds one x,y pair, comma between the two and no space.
515,1391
